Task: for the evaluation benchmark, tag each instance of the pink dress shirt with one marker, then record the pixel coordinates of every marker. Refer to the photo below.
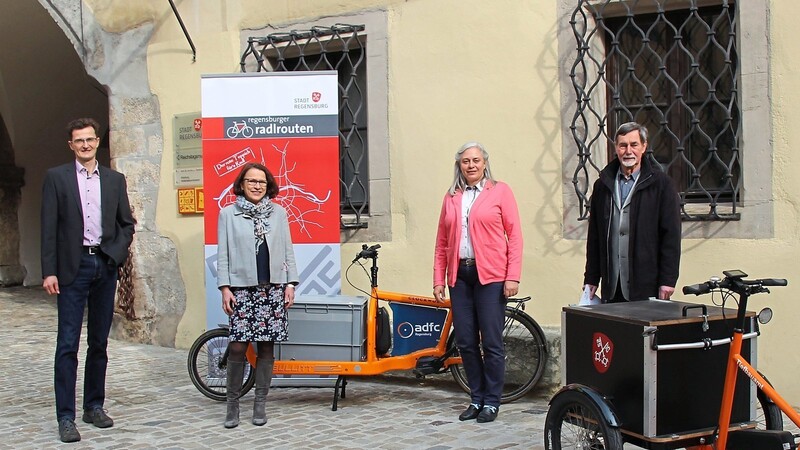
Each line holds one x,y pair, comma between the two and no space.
89,190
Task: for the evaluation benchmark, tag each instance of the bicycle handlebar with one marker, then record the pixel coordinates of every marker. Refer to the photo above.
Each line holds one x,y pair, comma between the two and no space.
734,281
697,289
367,252
773,282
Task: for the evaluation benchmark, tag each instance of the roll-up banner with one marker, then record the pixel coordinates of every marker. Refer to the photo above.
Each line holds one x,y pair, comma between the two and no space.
287,121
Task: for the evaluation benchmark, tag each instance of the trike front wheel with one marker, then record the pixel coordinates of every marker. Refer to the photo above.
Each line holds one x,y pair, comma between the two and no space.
208,365
525,356
768,415
573,421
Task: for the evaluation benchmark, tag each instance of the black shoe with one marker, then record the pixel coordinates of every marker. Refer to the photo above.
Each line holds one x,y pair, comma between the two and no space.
488,414
98,418
470,413
67,431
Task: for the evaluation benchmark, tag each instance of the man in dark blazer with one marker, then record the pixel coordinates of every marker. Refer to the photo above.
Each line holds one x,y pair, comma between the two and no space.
634,239
87,227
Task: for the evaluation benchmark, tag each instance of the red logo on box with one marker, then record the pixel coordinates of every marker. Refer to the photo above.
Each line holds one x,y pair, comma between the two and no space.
603,351
316,96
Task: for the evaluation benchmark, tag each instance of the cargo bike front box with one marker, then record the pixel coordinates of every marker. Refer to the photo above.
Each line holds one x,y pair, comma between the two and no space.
323,328
658,395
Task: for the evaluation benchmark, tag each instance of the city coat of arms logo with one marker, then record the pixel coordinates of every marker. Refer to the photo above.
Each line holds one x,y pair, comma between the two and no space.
316,96
602,351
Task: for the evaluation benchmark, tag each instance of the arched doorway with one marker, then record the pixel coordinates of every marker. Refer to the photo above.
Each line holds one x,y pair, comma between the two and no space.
43,85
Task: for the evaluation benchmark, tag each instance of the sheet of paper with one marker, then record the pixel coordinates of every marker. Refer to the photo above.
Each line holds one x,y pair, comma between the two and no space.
587,299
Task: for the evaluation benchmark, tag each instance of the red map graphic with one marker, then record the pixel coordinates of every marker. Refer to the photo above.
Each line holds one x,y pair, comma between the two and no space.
306,169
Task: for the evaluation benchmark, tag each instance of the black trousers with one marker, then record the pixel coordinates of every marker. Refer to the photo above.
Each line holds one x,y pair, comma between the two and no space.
478,317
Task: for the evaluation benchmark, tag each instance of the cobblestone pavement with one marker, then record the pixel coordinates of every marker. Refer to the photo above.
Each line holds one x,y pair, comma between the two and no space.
155,405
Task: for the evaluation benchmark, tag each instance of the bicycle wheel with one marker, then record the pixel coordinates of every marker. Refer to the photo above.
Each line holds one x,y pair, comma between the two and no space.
526,355
768,415
573,421
207,364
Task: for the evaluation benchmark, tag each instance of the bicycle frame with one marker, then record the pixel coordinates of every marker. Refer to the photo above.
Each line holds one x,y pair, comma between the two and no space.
737,362
374,364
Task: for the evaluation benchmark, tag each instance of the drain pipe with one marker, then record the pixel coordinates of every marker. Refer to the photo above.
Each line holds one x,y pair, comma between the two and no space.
183,27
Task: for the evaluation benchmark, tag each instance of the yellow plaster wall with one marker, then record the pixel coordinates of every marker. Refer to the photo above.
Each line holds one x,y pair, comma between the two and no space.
440,83
116,16
449,85
176,82
458,72
257,13
779,256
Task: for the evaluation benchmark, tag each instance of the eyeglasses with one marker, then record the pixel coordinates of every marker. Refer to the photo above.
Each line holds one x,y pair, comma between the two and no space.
254,182
81,142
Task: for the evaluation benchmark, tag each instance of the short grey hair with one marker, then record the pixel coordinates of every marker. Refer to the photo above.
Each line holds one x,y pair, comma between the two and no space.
459,182
627,127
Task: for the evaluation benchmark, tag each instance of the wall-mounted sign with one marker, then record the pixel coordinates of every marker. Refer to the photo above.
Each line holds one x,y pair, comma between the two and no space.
190,200
186,158
188,177
187,136
187,130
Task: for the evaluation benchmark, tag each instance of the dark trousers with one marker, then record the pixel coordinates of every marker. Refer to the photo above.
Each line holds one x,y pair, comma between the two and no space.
478,318
96,284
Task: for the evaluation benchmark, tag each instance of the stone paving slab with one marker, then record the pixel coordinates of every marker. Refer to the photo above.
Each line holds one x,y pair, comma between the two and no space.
155,405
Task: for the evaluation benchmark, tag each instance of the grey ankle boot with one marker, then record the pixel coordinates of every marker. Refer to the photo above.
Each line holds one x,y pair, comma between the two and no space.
263,379
233,391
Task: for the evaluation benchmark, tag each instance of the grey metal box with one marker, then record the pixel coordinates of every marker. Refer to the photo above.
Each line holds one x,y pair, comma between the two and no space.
323,328
327,323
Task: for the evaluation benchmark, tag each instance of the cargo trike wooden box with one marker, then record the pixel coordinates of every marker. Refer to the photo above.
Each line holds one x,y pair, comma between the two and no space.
656,393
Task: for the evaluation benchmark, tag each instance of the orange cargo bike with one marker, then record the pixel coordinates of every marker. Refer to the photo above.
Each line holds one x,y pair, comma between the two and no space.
525,346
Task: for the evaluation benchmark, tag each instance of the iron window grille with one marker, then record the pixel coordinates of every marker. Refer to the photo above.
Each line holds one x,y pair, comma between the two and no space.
341,48
676,72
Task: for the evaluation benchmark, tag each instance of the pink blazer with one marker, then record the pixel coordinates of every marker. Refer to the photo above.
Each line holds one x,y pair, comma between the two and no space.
496,234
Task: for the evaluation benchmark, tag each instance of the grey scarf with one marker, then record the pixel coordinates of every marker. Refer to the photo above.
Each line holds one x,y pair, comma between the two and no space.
259,212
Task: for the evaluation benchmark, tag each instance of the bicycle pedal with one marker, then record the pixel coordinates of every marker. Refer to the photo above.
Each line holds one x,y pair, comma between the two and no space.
428,365
420,372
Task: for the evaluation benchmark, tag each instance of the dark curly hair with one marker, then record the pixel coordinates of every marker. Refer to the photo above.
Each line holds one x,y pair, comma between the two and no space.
272,186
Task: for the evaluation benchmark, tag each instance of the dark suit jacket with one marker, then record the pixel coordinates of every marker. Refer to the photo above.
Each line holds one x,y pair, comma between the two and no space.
655,235
62,221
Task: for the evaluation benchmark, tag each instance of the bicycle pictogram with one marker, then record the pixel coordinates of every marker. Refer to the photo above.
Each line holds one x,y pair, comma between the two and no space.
237,129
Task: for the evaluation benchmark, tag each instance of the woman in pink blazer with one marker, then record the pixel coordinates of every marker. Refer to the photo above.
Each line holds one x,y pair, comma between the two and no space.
479,256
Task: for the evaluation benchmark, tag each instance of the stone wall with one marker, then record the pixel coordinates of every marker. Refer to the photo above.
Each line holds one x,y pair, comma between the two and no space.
12,273
12,178
152,290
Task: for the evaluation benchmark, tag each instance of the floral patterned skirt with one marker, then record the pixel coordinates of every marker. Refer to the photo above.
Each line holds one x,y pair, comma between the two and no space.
259,314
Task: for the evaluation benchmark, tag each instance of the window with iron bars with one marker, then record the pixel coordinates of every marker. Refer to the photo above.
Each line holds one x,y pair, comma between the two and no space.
674,71
341,48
